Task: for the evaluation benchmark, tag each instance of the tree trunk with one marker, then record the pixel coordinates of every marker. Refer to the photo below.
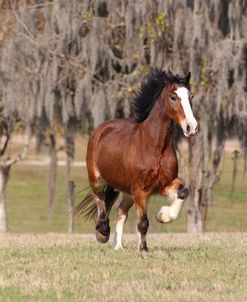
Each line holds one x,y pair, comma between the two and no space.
198,201
70,151
203,174
71,188
52,177
69,139
235,170
4,175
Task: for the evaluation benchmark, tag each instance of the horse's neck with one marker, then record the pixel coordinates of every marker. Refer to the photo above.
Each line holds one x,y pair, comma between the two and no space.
158,128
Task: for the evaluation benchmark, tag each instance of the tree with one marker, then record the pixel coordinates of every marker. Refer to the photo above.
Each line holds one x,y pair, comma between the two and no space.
6,162
8,124
221,99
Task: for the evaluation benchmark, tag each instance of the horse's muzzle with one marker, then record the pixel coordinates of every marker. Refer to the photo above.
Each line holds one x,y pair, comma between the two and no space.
189,129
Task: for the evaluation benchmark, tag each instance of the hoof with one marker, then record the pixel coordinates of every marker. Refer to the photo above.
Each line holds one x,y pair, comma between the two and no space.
183,192
102,238
103,230
163,215
143,248
118,247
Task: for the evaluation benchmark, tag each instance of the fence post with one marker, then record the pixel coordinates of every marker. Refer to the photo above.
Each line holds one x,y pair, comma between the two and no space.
71,187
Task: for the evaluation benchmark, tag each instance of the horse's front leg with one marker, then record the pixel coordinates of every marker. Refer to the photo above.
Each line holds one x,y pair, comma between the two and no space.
177,193
122,215
143,224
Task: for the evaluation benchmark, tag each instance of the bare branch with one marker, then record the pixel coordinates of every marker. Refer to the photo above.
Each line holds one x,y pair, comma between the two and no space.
5,145
19,20
21,156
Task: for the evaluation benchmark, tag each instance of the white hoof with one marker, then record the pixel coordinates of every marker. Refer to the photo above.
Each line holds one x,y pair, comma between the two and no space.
118,247
163,215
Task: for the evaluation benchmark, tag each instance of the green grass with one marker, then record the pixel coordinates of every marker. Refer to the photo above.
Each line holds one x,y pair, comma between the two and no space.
27,205
51,267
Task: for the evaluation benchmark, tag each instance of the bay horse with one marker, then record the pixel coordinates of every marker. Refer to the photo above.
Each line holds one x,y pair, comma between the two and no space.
136,156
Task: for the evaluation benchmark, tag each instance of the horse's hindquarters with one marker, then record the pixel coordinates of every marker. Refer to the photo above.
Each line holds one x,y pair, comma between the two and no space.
109,156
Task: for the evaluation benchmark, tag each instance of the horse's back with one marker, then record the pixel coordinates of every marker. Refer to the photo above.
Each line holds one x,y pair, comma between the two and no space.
112,131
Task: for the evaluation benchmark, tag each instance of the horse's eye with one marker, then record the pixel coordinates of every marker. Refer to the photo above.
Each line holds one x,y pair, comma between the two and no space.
173,98
191,96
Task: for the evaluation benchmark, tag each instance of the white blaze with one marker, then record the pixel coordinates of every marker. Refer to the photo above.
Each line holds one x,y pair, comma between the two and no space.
190,120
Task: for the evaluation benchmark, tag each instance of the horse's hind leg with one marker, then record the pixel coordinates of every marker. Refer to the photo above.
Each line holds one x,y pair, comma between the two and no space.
177,193
102,227
122,216
141,199
105,200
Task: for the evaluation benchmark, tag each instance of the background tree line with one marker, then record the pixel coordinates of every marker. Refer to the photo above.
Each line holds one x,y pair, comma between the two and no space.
66,66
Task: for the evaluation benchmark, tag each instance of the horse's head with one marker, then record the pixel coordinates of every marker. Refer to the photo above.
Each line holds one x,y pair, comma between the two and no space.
178,97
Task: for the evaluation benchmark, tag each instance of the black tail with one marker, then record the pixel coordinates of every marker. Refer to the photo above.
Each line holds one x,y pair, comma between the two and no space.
88,207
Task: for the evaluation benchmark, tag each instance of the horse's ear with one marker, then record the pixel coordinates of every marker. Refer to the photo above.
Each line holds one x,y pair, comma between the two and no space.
168,75
169,72
187,78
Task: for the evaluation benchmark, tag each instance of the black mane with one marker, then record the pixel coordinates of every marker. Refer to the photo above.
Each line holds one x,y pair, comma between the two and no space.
150,90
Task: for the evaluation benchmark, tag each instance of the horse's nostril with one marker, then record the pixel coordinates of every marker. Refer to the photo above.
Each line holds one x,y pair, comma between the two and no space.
196,128
188,128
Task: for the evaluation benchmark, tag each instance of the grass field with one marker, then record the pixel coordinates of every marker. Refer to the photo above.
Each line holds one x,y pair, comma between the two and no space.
178,267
